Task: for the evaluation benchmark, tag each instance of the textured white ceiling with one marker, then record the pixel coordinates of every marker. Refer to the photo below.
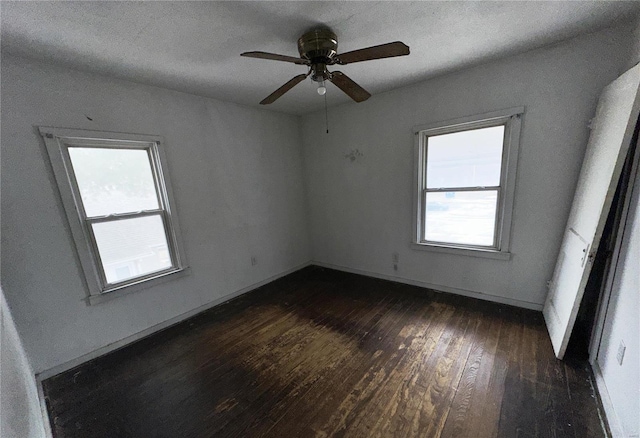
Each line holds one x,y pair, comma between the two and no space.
195,46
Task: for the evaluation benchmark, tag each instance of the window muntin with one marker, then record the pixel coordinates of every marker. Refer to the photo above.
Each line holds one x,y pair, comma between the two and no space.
115,186
466,180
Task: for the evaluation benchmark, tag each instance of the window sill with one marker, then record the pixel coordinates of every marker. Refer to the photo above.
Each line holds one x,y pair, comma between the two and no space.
472,252
125,290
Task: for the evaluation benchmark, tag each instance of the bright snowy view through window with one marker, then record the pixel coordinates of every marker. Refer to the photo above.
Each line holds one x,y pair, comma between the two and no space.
123,210
462,193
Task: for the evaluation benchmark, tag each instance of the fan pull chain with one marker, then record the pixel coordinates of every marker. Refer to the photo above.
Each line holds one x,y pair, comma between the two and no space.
326,112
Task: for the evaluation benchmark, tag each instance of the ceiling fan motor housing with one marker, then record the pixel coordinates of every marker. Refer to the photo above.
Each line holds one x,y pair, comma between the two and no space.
318,46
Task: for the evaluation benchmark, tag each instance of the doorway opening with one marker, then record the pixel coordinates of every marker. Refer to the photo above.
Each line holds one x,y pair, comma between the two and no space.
587,331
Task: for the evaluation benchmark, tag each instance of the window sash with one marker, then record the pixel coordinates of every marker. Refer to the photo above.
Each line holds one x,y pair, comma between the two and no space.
75,187
88,229
465,128
481,124
496,221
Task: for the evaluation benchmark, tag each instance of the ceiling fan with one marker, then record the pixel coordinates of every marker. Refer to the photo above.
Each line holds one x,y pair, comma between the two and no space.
319,49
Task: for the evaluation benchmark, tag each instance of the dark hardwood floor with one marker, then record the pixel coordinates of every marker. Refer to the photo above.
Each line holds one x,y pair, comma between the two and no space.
322,353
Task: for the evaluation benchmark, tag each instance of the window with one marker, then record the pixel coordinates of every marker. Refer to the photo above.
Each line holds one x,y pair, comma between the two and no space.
465,184
118,202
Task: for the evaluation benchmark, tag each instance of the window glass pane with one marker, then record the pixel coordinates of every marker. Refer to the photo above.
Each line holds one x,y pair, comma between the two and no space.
114,180
465,159
461,217
132,247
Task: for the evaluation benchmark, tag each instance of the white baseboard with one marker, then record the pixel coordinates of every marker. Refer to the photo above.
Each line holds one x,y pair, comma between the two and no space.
612,418
436,287
165,324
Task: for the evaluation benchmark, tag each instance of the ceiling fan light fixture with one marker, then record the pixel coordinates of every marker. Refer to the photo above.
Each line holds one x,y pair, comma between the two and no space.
321,88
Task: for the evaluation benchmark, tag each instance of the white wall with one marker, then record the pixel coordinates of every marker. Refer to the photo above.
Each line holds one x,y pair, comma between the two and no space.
361,212
236,174
622,323
20,414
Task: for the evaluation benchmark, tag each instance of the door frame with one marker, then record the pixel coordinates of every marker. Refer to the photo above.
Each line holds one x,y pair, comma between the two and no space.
607,288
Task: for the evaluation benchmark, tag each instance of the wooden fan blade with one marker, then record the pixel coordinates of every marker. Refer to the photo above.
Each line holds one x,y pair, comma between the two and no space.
388,50
351,89
280,91
275,57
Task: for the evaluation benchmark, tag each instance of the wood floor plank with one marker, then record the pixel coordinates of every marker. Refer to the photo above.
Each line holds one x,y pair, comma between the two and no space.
412,340
447,371
556,419
323,350
491,403
282,361
321,353
516,394
476,398
371,374
396,393
305,395
319,407
582,393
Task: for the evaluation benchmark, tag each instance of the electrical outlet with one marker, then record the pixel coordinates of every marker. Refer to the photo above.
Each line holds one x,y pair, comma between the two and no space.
395,257
548,284
254,260
621,350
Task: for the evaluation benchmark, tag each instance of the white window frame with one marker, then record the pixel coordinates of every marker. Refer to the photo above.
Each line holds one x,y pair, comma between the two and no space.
57,142
511,119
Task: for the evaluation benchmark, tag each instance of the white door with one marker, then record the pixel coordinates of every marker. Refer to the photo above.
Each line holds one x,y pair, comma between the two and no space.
611,133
